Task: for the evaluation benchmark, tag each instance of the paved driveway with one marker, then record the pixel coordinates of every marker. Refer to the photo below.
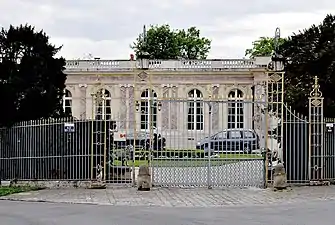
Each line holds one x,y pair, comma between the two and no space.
311,213
240,174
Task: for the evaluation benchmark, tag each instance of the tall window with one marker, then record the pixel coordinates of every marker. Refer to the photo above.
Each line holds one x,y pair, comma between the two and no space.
148,109
67,102
195,114
103,110
235,109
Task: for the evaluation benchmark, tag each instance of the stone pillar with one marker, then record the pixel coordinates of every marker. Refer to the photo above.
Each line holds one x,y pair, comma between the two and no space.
259,117
248,107
82,97
216,108
123,107
131,107
164,114
175,109
224,108
89,102
138,88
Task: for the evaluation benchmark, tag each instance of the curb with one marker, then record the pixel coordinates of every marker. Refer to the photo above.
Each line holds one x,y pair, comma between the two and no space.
47,201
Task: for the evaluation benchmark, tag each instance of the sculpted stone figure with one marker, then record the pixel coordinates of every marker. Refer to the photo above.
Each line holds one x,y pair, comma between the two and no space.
99,173
279,177
143,178
98,184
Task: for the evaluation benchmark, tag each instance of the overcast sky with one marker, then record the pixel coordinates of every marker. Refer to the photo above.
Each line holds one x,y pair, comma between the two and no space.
106,28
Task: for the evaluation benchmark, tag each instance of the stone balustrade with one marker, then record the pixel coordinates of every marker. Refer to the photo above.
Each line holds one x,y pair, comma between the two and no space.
183,65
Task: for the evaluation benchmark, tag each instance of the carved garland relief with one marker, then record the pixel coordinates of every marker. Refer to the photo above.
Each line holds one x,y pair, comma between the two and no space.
131,111
83,89
259,108
174,108
165,108
215,109
123,107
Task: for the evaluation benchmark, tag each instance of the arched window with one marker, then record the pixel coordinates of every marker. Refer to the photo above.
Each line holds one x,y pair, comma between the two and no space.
195,114
235,109
103,110
148,109
67,102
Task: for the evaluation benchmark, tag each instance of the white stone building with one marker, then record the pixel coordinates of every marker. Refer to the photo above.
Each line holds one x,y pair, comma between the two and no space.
173,88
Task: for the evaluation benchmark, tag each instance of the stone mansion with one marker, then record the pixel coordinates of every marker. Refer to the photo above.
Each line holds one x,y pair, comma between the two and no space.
168,94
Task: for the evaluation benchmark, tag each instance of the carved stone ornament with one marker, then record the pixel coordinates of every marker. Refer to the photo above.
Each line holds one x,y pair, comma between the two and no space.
143,76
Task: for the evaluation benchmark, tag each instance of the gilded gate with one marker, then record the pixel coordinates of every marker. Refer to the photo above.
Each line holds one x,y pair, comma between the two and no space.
177,148
316,136
298,140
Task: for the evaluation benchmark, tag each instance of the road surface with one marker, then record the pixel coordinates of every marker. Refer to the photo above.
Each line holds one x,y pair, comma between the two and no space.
28,213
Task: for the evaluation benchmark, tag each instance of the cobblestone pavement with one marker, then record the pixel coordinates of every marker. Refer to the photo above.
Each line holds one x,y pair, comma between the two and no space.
177,197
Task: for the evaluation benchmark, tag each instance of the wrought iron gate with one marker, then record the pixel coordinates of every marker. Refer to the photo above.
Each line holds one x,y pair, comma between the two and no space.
112,160
171,130
304,146
316,135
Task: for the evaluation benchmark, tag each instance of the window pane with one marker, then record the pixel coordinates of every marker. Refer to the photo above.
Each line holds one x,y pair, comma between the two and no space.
98,110
199,122
144,121
195,117
231,118
231,125
235,112
190,116
68,102
108,113
190,126
68,111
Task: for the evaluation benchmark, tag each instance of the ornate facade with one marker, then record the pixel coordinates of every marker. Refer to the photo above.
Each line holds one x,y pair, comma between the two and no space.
170,95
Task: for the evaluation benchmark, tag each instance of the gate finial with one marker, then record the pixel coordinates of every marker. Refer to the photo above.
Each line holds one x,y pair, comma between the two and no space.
316,93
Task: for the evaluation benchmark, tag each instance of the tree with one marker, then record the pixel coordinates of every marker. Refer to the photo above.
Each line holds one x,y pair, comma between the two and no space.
310,53
31,78
161,42
264,46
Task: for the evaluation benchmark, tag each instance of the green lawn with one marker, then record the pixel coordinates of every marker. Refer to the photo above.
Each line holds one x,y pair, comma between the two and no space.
191,162
6,190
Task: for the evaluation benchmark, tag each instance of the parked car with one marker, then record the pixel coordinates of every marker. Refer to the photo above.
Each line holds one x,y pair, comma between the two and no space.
231,140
